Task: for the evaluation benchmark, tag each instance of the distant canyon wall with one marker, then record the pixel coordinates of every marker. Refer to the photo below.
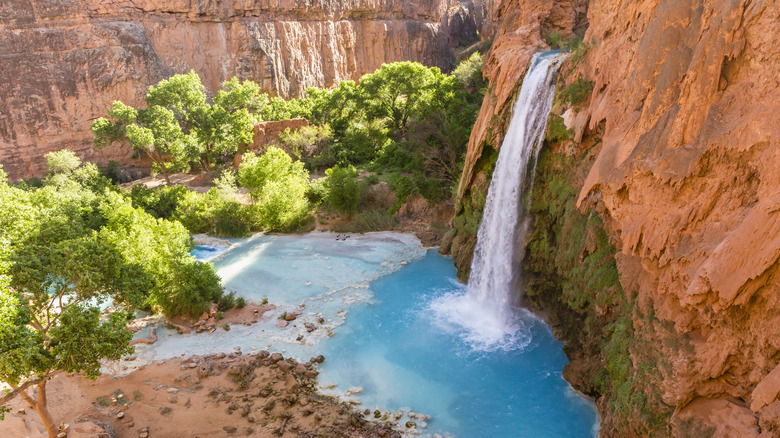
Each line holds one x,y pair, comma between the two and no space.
65,61
685,175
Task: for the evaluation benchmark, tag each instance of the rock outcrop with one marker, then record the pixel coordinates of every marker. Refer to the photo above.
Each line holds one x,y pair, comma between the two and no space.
684,177
65,61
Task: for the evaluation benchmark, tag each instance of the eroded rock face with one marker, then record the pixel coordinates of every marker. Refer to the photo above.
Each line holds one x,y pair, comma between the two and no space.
65,61
516,28
686,177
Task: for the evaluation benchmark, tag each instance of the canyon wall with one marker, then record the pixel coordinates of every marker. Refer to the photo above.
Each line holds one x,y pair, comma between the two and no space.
679,147
65,61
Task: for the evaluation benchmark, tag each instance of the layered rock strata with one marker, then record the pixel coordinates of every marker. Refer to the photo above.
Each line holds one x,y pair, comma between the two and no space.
65,61
685,178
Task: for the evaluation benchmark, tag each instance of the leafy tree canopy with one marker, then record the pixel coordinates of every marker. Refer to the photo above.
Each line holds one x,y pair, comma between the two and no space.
180,126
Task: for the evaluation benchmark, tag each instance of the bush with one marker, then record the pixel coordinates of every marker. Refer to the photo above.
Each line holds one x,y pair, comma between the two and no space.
316,191
194,212
307,142
231,219
404,187
278,185
240,302
469,71
576,92
556,129
284,206
375,219
112,171
161,202
227,301
63,161
394,156
342,189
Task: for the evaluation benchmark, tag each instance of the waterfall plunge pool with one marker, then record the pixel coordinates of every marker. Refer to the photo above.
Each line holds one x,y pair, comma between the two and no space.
376,294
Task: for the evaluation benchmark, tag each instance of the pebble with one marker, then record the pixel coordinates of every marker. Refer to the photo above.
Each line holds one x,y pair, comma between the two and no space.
173,390
353,390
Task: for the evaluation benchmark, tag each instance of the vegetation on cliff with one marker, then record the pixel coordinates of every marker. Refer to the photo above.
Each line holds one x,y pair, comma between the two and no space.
571,271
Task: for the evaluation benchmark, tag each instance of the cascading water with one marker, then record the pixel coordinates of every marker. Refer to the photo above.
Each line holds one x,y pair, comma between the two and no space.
485,310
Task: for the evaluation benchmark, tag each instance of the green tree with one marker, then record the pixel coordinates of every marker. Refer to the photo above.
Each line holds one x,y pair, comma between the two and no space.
161,248
154,131
180,125
53,274
396,91
342,189
278,185
229,121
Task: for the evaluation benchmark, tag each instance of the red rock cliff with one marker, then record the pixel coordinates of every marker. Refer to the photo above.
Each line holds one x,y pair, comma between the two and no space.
686,178
65,61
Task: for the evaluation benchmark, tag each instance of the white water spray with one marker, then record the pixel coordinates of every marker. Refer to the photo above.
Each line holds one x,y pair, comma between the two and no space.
485,311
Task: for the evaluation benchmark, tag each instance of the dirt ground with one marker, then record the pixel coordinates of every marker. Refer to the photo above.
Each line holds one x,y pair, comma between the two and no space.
261,395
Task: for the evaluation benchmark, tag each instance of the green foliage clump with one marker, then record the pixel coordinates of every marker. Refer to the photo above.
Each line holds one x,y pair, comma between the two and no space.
308,143
65,168
556,129
374,219
179,126
161,202
575,93
63,161
469,72
278,186
342,191
571,269
69,246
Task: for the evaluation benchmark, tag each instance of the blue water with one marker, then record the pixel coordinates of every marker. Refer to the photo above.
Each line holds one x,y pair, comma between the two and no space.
205,252
402,356
378,295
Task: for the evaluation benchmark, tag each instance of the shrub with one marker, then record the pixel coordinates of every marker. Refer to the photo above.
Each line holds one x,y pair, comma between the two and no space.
556,129
375,219
342,189
160,202
231,219
576,92
194,212
404,187
306,142
240,302
227,301
63,161
316,191
278,185
469,71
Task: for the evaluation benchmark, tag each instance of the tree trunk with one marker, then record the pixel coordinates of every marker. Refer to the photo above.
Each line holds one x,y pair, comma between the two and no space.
40,407
160,162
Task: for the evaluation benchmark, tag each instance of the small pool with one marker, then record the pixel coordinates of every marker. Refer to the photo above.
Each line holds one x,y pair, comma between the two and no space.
371,299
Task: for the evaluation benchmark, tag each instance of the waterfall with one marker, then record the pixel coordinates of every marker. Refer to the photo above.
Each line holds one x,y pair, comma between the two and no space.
485,310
